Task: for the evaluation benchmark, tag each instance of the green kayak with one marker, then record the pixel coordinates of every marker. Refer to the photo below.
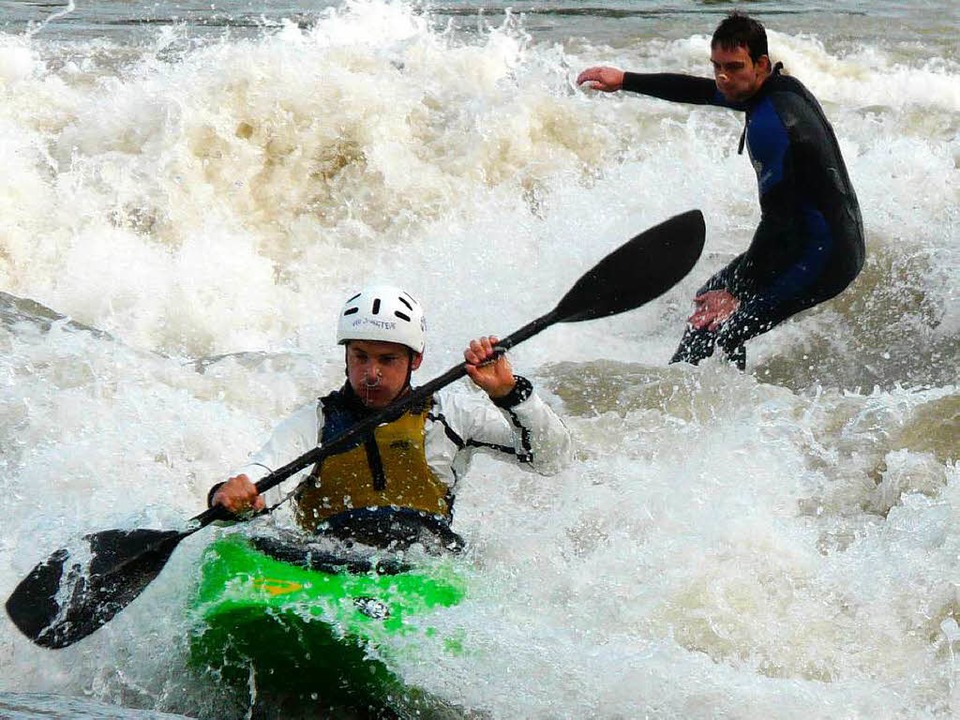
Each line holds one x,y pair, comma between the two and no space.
297,619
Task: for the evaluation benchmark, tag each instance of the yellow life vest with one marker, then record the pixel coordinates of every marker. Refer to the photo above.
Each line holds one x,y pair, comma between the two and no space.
388,469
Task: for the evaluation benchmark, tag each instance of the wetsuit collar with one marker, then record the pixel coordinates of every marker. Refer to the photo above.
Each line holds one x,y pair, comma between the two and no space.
743,135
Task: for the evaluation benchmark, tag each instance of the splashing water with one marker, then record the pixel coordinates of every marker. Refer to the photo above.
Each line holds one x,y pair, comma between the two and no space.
183,212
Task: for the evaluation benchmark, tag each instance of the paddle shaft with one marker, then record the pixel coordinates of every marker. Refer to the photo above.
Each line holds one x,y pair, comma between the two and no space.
633,274
392,412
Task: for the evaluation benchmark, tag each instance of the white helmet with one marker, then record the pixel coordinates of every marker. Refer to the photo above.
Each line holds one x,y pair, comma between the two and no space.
382,313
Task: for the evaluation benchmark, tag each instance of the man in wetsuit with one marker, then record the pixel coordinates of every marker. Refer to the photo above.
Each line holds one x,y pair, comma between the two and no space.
396,485
809,245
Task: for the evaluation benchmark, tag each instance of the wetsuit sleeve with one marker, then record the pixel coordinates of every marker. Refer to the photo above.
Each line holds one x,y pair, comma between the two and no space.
674,87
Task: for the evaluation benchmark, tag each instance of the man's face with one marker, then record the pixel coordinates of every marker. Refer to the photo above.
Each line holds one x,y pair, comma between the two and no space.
738,77
377,371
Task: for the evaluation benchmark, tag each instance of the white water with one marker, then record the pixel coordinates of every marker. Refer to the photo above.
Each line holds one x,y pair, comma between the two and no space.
777,544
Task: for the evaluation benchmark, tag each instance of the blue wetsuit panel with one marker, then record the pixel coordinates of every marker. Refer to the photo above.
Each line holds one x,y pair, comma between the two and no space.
768,143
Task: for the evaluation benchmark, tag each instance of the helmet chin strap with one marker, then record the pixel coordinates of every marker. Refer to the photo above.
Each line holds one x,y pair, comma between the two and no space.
406,383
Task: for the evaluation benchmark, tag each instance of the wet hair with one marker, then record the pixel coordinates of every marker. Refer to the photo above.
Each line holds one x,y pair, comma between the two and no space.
740,30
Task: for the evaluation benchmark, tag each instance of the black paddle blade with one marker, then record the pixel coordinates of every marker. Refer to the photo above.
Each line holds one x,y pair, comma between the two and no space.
638,271
68,597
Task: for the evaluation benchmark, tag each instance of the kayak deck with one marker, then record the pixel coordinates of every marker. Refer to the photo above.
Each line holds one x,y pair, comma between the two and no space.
295,628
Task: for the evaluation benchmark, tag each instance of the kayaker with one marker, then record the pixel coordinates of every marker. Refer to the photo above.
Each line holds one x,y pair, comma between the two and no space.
809,245
391,485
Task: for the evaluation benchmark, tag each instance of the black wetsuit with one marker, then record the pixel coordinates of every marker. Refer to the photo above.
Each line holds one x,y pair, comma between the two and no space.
809,245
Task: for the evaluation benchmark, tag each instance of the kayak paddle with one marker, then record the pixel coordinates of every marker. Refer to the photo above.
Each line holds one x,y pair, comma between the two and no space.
70,595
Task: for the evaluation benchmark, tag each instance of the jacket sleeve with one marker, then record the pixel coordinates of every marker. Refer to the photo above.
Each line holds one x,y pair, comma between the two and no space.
521,428
291,438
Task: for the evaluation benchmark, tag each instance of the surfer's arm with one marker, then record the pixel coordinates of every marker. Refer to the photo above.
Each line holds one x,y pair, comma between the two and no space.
674,87
665,86
605,79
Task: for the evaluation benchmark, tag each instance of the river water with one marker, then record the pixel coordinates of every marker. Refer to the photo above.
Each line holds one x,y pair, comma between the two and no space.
190,190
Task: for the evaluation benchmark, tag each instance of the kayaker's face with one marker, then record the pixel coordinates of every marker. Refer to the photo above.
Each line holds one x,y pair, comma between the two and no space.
738,76
379,372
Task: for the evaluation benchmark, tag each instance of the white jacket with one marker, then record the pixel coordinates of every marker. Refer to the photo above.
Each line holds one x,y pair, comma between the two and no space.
460,424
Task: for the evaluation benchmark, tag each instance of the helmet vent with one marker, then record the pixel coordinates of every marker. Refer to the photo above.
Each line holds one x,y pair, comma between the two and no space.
383,313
